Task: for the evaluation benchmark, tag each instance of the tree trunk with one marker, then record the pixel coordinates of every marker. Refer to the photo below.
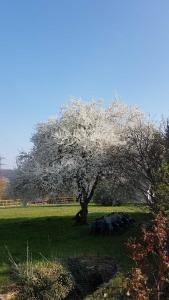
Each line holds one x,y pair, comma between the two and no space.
81,216
24,202
84,199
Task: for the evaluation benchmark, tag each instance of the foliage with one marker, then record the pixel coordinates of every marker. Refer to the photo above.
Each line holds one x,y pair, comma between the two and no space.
103,194
166,139
24,183
48,280
137,285
145,162
161,184
109,192
161,188
112,223
151,275
141,159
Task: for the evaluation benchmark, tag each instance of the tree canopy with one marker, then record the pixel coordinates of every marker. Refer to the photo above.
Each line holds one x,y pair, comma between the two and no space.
75,150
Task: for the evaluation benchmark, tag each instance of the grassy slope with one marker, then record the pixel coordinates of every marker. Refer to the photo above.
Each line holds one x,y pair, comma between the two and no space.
50,231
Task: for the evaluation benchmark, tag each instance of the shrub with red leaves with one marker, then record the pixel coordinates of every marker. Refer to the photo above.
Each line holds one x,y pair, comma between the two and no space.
150,278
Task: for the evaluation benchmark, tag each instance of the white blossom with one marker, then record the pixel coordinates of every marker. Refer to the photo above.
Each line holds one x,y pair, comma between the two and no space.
71,152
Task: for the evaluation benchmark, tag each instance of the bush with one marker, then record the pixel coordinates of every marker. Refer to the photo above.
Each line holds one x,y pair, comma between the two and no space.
109,193
150,278
104,194
43,281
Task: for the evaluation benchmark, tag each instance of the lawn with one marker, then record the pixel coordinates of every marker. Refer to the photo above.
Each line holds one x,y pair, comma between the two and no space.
50,232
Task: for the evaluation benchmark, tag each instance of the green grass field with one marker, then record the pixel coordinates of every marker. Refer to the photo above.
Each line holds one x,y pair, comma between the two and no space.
50,232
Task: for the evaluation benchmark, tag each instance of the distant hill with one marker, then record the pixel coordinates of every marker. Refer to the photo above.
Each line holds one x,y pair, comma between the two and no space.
7,173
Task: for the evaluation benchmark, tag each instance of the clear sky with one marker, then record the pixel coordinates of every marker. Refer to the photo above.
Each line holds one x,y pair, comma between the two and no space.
51,50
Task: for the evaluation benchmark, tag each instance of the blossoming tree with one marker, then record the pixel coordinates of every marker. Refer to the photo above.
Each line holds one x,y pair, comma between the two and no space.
76,150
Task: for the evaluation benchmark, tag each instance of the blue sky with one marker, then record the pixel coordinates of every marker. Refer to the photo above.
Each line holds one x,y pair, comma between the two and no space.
51,50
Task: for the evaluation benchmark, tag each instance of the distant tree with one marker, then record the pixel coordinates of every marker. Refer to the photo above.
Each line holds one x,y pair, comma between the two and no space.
165,138
144,161
162,175
114,191
25,182
75,151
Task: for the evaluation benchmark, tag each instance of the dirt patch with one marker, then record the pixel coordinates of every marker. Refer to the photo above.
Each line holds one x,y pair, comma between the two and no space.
90,272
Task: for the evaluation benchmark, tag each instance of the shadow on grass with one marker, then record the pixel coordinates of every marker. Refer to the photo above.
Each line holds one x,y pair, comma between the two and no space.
56,236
